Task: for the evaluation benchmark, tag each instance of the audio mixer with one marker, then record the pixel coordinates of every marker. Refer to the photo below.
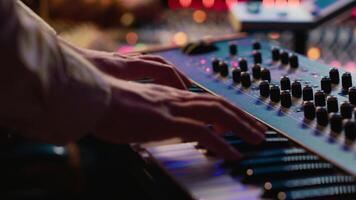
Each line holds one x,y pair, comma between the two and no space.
310,150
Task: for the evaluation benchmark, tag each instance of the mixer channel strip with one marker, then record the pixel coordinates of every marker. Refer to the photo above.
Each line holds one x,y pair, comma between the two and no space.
272,172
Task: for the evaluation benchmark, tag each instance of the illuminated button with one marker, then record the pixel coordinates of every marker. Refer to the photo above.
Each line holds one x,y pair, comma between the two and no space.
243,64
334,76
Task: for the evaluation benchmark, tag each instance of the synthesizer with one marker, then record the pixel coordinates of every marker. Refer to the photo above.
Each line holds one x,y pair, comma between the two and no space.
310,150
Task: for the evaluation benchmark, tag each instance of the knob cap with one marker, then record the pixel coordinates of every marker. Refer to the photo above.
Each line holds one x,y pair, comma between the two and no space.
243,64
352,95
326,84
275,95
334,76
294,61
322,116
216,65
296,89
320,98
335,123
309,110
346,81
284,58
332,104
224,69
256,45
266,74
245,79
350,130
233,49
346,110
285,83
264,88
307,93
236,75
257,57
286,99
275,54
256,71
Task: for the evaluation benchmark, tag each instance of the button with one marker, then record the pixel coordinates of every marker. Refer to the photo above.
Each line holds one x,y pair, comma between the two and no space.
309,110
216,65
224,69
352,95
350,130
257,57
265,74
284,58
264,88
233,49
236,75
275,54
326,84
332,104
256,45
296,89
286,99
346,81
256,71
294,61
320,98
336,123
245,79
307,93
275,93
334,76
346,110
243,64
322,116
285,83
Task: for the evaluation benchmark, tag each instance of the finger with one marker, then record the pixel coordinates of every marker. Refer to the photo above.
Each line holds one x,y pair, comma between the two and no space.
190,130
216,114
162,60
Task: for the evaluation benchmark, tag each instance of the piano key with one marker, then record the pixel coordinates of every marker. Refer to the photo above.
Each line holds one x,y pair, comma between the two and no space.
255,162
268,143
276,152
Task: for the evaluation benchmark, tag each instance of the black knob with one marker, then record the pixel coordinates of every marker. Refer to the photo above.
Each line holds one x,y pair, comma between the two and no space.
284,58
346,81
245,79
256,71
285,83
320,98
346,110
334,76
335,123
307,93
275,54
332,104
296,89
236,75
322,116
266,74
216,65
275,95
256,45
264,88
233,49
286,99
350,130
257,57
352,95
294,61
309,110
224,69
243,64
326,84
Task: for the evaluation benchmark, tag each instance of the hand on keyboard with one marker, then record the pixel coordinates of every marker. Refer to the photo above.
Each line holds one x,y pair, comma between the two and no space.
147,112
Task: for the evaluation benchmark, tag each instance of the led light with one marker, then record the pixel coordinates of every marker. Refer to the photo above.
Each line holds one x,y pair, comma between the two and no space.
314,53
199,16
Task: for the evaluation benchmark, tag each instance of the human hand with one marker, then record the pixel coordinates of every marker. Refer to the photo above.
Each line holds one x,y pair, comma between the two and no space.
148,112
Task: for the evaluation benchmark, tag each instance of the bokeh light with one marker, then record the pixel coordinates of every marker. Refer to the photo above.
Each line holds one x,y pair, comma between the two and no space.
199,16
127,19
313,53
131,38
180,38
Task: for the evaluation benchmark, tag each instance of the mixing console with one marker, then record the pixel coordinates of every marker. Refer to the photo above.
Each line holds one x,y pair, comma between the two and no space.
308,105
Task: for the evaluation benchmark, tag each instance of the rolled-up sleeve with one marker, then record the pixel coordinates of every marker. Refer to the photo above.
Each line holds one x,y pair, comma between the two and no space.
48,91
